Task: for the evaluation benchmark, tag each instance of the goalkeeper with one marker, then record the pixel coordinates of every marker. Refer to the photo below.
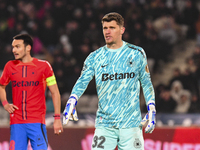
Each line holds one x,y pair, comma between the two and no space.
119,69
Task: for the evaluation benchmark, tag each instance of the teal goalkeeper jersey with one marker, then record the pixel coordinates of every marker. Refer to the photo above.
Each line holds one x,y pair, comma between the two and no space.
118,74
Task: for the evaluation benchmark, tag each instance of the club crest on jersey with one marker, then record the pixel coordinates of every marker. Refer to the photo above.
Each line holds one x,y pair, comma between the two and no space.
137,143
130,62
33,73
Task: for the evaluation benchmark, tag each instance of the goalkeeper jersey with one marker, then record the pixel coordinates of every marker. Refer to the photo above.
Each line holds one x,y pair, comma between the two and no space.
118,75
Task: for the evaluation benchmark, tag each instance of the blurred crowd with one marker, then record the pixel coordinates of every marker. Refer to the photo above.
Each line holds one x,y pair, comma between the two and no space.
66,31
182,93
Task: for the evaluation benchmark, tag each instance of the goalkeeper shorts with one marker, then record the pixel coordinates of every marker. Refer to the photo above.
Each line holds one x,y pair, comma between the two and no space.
125,139
22,133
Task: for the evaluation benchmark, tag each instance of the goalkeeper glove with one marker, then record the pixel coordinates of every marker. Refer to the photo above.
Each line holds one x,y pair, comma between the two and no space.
70,110
150,117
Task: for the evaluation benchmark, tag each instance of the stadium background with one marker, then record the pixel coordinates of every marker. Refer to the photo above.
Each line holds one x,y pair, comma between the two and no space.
66,31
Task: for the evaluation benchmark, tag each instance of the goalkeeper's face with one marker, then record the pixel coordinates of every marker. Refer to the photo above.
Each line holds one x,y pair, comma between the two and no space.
112,32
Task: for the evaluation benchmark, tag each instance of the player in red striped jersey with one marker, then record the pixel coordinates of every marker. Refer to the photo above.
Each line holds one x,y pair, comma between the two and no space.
29,77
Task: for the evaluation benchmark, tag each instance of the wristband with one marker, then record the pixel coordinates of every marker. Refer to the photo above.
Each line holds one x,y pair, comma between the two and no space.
5,102
56,116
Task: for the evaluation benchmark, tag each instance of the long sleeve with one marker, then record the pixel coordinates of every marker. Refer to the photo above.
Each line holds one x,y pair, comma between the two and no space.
86,76
145,80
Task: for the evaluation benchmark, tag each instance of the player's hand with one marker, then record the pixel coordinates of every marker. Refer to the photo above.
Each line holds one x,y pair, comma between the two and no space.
10,108
57,125
70,110
150,118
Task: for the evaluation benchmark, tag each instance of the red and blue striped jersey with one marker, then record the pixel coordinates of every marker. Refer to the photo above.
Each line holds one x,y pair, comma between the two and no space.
28,89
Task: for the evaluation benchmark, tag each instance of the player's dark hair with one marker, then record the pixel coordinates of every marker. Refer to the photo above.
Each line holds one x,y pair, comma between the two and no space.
113,16
26,38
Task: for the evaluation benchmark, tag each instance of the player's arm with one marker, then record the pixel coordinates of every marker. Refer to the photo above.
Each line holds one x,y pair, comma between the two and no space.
149,95
86,76
79,88
4,80
8,107
53,88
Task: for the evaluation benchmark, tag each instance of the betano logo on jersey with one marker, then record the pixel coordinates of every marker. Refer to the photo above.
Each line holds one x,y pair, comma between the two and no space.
117,76
24,83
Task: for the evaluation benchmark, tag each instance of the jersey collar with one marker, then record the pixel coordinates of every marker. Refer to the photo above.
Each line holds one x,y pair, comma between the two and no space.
31,63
